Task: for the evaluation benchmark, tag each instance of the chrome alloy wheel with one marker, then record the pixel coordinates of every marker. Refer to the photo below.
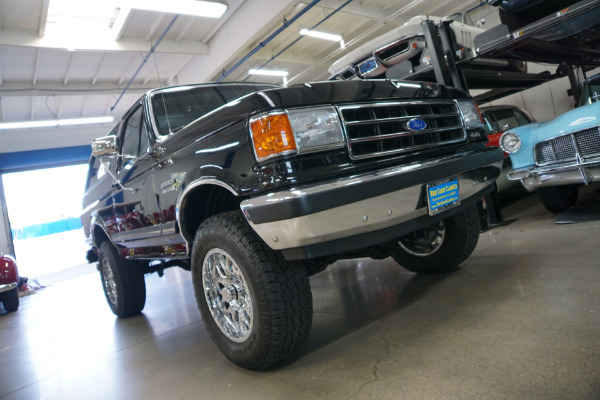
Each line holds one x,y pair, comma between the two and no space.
108,278
227,295
424,242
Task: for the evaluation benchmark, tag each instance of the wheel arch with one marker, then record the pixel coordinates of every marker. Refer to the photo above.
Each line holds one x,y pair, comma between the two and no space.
98,232
202,199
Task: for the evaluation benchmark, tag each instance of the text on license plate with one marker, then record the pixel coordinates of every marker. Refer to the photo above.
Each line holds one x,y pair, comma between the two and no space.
442,195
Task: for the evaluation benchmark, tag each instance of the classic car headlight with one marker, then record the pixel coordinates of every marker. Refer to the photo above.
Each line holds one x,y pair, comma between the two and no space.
470,113
295,131
510,142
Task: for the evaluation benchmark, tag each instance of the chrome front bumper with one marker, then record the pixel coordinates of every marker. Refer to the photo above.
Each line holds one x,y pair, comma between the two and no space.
365,203
572,174
7,286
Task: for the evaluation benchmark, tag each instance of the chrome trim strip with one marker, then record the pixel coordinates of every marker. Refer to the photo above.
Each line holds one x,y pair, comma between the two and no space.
413,148
405,134
408,117
571,174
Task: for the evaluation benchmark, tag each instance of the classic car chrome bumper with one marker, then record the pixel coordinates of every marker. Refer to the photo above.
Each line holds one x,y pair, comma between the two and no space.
557,175
363,204
7,286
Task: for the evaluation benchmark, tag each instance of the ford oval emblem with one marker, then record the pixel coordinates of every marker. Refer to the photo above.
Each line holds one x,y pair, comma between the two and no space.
416,124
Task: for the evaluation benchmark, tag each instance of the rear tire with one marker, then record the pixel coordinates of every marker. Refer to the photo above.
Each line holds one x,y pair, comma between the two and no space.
556,199
122,281
440,247
10,300
256,307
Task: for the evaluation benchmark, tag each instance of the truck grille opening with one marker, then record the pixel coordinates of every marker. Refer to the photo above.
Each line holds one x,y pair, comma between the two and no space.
382,128
566,148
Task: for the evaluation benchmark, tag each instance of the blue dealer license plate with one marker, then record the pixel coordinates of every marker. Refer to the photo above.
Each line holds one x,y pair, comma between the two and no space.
442,196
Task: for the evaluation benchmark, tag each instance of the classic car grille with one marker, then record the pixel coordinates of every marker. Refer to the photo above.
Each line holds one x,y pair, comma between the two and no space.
585,143
392,50
380,128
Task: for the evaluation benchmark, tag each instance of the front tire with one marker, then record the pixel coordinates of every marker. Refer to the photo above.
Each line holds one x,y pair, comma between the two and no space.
556,199
122,281
442,246
10,300
256,307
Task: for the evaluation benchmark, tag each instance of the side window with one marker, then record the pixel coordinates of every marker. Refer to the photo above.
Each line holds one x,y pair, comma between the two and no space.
521,119
135,140
131,134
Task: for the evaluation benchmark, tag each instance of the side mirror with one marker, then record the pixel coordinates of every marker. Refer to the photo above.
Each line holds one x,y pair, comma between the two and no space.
104,145
481,22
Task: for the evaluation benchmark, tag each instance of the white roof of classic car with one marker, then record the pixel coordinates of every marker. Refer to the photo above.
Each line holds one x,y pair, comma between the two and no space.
464,35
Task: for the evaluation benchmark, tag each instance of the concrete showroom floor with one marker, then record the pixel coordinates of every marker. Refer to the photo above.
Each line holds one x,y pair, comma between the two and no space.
519,320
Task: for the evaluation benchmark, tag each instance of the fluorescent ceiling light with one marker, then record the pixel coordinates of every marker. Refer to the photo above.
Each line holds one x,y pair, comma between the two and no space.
268,72
56,122
196,8
321,35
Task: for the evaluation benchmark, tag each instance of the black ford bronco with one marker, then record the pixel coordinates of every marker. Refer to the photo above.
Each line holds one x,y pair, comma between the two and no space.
254,188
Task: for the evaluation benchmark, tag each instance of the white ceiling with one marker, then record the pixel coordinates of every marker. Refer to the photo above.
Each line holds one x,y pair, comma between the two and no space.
40,79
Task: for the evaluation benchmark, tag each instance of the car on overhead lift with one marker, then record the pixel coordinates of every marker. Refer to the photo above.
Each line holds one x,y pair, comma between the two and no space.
403,51
517,13
555,157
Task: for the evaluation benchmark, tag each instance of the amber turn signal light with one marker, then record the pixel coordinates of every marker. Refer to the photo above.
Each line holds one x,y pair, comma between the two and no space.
272,135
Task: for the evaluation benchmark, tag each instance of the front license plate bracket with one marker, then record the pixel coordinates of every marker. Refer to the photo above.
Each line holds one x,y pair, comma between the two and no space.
442,195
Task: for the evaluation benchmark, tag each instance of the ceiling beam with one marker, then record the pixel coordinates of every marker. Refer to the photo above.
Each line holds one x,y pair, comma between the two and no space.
288,57
52,137
95,79
355,8
43,17
37,66
185,29
152,30
69,69
24,38
235,36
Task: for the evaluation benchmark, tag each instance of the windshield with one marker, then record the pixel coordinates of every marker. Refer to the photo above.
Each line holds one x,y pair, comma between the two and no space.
502,119
590,93
175,108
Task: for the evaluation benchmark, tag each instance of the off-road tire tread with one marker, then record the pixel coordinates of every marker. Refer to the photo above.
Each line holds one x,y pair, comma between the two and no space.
129,277
286,301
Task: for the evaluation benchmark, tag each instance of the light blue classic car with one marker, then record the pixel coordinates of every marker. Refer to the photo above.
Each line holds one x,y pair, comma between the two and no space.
556,157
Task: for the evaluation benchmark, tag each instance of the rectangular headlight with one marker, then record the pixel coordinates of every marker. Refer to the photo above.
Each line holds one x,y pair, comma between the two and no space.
471,114
316,127
302,130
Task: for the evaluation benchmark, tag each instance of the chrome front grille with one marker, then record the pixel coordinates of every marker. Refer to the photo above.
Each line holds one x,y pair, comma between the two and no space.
380,128
584,144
